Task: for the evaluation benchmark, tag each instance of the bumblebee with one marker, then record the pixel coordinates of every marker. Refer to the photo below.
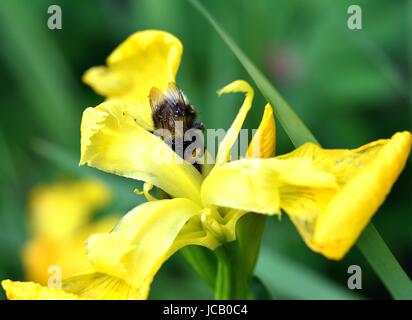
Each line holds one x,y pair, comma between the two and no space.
172,111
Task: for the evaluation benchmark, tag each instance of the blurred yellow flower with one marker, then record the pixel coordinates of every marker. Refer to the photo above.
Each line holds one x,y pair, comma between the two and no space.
60,221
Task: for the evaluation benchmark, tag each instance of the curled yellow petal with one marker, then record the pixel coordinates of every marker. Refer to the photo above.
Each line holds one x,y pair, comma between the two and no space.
263,144
256,185
146,192
144,60
331,221
209,229
114,142
195,232
141,242
223,152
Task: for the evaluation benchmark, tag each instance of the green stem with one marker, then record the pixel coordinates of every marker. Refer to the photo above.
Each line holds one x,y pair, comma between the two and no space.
249,232
232,281
203,262
379,256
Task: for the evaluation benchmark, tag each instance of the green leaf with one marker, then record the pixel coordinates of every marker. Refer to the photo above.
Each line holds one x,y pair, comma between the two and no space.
377,253
288,279
249,231
384,263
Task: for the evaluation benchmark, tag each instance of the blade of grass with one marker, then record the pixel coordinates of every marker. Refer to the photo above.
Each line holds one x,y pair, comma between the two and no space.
400,285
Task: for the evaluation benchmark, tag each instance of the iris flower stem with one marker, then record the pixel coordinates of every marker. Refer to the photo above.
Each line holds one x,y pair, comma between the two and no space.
202,261
232,281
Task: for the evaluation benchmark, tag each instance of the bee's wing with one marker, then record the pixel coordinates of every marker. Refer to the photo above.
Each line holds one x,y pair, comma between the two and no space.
174,94
156,99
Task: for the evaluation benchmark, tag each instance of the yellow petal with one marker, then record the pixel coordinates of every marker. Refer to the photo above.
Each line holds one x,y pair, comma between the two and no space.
196,232
59,210
100,286
16,290
223,152
141,242
113,142
230,219
263,144
257,184
331,221
89,286
144,60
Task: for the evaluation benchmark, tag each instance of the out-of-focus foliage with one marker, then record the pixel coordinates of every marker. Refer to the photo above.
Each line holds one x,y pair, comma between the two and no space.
350,87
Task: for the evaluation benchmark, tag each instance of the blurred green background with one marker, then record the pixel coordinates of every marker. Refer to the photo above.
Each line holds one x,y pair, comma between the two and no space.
350,87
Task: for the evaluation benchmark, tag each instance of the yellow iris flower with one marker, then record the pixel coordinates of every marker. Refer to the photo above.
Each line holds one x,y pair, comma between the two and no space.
330,195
